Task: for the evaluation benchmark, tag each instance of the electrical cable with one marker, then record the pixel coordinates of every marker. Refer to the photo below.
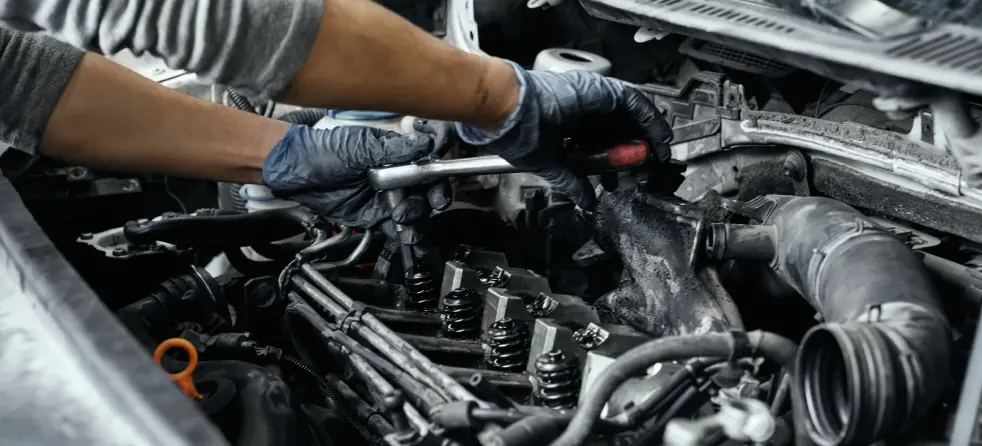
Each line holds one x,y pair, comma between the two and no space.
334,396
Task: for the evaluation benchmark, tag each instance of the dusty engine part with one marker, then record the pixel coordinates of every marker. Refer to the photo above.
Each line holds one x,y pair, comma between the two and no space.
458,275
557,378
507,345
461,314
665,290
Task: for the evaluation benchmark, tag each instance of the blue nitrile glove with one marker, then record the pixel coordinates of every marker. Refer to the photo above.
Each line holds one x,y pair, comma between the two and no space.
596,111
325,171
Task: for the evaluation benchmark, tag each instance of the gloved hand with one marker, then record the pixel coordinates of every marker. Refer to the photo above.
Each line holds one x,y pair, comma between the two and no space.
595,111
325,171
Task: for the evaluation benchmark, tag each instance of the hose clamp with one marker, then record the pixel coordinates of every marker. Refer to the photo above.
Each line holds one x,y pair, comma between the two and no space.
353,315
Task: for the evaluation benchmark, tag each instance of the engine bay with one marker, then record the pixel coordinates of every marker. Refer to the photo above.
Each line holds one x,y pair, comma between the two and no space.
805,268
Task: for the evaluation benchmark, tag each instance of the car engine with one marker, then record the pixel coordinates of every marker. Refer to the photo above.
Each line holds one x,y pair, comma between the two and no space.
805,267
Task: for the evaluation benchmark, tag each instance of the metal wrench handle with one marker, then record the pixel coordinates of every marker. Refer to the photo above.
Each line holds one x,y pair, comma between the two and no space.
427,171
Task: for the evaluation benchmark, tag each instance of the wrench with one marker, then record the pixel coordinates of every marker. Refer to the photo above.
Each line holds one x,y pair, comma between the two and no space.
428,170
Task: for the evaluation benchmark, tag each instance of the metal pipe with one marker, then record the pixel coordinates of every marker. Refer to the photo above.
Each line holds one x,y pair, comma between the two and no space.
385,347
415,357
361,408
503,379
431,344
405,317
731,241
428,170
355,255
387,397
322,244
967,281
377,385
424,396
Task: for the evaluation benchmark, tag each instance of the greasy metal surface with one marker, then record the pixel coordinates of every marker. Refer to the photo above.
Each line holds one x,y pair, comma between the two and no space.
856,188
428,170
661,293
884,156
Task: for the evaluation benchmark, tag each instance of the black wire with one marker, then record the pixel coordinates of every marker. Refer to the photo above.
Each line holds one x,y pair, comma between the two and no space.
336,399
170,193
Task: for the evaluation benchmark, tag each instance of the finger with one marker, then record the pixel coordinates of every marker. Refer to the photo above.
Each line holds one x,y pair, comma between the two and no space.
656,129
564,181
399,149
363,210
440,195
406,235
411,209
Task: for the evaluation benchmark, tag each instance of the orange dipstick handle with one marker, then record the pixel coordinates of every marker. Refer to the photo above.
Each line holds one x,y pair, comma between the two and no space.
182,378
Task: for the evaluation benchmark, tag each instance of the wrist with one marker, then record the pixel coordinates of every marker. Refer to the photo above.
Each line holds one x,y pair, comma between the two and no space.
500,92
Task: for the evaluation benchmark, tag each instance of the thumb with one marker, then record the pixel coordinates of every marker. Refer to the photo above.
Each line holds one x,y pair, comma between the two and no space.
577,189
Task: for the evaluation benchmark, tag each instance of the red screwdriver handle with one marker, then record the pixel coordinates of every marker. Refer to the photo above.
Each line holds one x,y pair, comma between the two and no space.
617,158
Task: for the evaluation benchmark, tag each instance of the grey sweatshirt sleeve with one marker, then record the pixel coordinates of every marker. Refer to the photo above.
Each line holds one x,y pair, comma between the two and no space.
34,71
255,46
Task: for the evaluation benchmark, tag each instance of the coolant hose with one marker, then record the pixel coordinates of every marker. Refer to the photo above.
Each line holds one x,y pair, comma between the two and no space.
882,356
634,362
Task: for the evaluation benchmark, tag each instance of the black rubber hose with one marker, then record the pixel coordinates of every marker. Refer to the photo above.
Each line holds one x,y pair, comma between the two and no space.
632,363
190,296
531,430
882,357
253,268
306,116
222,229
336,399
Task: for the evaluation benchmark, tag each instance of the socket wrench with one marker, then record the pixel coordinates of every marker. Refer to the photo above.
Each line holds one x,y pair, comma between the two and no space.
428,170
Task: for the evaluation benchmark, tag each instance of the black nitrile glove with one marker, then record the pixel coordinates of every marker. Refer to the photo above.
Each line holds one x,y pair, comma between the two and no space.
325,170
595,111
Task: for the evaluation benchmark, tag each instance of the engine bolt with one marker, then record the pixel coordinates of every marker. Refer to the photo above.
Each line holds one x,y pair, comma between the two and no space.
461,314
495,278
558,377
507,345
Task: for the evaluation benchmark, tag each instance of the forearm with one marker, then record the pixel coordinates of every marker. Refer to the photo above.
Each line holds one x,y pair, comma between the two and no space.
110,117
366,57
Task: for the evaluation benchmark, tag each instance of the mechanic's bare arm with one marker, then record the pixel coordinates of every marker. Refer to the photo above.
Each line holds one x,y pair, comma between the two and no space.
111,117
367,57
335,53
